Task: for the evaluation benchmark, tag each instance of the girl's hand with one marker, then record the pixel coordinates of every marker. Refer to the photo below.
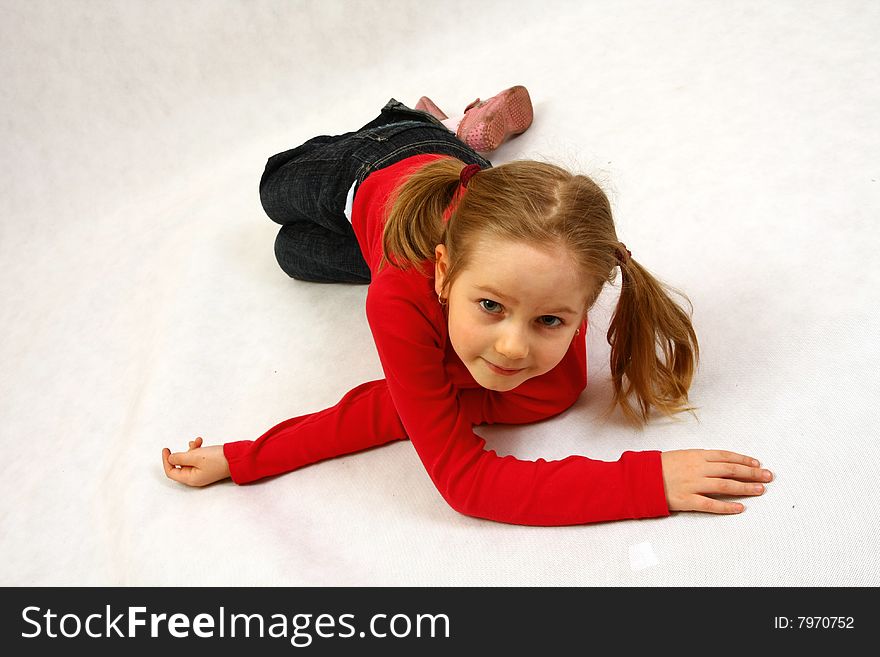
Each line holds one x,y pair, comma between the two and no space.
199,466
691,474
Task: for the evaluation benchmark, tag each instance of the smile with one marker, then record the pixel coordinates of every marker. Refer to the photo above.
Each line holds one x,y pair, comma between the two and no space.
501,370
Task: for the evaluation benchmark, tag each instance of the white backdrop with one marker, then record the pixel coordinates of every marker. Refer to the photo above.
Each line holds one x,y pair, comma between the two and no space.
142,304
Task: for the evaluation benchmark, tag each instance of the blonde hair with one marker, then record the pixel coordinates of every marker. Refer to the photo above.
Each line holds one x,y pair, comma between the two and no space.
542,204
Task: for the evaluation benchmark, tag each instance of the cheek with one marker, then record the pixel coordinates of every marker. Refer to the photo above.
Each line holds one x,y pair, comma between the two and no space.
550,355
466,336
464,332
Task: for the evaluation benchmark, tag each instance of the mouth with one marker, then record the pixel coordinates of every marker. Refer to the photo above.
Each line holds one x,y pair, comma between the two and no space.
501,370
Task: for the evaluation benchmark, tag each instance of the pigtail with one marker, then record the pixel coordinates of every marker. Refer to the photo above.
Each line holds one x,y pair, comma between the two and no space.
646,316
415,221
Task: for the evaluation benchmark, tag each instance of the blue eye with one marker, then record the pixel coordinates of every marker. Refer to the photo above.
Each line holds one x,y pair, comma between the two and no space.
488,301
553,325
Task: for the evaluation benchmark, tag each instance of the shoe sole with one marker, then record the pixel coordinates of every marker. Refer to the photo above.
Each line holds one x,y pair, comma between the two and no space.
512,116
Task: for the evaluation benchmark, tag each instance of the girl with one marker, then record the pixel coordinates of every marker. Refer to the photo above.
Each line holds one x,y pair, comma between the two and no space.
480,278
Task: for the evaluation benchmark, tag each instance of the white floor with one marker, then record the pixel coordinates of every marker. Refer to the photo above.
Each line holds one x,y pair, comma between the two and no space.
142,305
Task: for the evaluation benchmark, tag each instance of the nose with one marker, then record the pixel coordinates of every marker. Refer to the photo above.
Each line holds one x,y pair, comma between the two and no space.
512,344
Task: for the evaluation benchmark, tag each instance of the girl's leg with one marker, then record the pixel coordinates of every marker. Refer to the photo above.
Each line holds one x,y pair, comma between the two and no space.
308,252
304,190
400,132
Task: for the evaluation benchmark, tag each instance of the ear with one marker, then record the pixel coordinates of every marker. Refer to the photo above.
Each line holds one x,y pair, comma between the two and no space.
441,266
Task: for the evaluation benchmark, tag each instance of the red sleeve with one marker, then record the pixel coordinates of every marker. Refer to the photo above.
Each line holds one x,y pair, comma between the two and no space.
477,482
365,417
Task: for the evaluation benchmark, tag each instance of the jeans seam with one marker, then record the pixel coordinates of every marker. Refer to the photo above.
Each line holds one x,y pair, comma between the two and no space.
464,150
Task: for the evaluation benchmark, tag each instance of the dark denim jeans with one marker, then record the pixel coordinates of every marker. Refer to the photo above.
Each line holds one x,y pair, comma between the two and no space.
304,189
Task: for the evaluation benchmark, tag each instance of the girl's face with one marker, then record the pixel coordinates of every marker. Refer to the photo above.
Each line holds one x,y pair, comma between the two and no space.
516,307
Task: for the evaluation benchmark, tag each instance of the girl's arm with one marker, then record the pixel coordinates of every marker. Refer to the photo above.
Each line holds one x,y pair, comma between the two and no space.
365,417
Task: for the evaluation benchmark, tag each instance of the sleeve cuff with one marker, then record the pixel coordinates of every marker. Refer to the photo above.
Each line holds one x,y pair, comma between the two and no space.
236,454
645,471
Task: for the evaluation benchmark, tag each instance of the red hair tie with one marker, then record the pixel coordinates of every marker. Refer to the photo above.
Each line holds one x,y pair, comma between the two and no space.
623,254
464,178
467,173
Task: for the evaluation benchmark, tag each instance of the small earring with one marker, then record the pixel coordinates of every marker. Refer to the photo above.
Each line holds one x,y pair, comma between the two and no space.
578,332
441,300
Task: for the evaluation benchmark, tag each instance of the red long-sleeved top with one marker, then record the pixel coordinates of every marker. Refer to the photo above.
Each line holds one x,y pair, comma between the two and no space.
429,397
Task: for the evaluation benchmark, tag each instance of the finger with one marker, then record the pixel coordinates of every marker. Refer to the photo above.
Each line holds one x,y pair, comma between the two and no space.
736,471
730,487
170,471
195,444
731,457
184,458
709,505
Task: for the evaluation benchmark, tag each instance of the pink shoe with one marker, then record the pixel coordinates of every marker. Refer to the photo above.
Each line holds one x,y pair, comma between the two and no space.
488,124
425,104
